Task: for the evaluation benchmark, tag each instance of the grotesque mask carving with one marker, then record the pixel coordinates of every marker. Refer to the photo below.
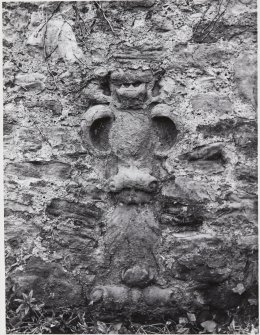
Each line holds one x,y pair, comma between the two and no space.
131,89
135,133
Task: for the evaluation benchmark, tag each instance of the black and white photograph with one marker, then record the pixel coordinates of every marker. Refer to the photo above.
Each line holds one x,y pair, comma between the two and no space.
130,167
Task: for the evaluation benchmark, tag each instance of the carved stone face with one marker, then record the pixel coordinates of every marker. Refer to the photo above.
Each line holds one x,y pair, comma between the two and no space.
131,94
130,89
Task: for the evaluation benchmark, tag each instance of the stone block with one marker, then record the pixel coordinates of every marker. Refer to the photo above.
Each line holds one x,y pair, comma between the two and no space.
31,81
50,283
39,169
87,213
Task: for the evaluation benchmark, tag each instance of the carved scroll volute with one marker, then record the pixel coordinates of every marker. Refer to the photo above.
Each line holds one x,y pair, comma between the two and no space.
164,129
95,128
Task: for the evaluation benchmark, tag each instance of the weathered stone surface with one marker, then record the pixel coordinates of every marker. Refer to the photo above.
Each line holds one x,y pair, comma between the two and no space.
57,33
210,262
212,102
131,154
39,169
8,124
50,283
183,215
242,130
48,105
186,188
30,81
17,232
137,3
227,23
59,207
30,138
246,76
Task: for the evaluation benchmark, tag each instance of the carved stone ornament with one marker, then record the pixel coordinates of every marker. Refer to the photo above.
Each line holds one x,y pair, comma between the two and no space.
135,129
130,162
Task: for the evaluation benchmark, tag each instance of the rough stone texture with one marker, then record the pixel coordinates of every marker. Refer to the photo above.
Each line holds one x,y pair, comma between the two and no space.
130,154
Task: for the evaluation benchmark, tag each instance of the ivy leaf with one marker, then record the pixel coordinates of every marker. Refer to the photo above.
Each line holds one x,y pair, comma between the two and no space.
19,308
182,330
191,317
209,326
239,289
102,327
183,321
114,328
252,302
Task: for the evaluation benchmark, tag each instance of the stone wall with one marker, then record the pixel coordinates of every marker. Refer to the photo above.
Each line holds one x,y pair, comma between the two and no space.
130,154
